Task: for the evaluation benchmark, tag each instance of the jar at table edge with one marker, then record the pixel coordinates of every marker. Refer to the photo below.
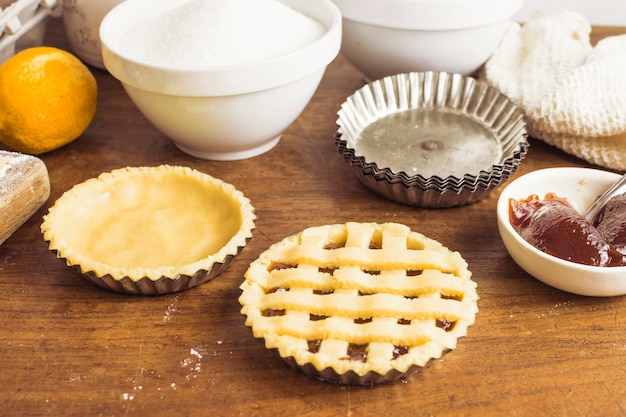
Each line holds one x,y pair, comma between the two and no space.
81,19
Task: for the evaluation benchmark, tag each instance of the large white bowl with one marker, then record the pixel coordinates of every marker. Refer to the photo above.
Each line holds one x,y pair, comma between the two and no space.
222,112
387,37
581,186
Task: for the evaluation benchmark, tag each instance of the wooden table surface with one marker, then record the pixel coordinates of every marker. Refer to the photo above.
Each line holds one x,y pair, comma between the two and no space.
69,348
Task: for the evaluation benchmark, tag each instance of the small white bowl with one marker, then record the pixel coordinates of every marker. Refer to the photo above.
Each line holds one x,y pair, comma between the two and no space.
386,37
581,186
81,20
223,112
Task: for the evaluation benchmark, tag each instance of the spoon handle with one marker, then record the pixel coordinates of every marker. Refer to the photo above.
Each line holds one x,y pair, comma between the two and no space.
601,201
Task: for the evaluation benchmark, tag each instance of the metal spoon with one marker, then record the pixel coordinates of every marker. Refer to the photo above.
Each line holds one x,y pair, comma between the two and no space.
617,188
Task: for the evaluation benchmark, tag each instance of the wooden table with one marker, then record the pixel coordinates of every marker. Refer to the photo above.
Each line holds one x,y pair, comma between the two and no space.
69,348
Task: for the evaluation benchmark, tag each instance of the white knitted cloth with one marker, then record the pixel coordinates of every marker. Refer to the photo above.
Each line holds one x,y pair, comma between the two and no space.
573,95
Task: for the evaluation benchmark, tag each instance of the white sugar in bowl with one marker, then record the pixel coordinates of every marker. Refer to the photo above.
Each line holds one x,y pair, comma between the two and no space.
217,94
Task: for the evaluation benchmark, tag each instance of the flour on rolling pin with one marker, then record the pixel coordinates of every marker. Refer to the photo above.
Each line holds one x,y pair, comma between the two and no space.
24,188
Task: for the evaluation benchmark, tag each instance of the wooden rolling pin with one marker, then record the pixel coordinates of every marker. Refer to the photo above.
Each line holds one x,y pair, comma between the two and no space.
24,188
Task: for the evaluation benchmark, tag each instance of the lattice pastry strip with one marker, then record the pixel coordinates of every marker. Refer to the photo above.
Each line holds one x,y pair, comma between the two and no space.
392,282
359,298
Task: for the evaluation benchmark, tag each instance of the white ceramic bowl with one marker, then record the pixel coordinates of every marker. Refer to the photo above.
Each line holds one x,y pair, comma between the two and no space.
387,37
581,186
81,19
222,112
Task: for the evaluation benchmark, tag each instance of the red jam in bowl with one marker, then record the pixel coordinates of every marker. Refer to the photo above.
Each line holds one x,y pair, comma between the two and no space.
553,226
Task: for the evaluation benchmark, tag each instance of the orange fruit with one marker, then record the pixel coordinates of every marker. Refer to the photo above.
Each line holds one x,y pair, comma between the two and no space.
47,99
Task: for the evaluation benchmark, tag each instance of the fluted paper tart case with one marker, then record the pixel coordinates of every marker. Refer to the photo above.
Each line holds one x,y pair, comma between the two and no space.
431,139
150,230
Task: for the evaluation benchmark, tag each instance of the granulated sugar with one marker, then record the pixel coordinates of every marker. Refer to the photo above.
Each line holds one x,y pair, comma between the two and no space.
210,33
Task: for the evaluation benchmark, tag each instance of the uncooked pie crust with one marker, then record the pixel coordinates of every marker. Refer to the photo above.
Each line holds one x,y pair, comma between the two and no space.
362,299
149,222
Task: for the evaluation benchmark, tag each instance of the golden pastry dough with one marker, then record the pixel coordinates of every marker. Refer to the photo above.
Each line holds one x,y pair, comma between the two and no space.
399,296
149,222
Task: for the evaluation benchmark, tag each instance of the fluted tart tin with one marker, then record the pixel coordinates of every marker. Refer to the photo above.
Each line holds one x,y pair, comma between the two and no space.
431,139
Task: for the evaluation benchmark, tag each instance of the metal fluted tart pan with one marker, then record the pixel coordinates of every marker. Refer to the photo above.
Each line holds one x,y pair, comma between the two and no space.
431,139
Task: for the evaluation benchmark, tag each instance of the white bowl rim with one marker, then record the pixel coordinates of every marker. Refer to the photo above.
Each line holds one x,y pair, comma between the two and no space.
218,80
428,14
502,212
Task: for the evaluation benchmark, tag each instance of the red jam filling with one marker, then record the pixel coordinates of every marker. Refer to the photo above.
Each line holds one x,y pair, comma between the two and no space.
611,222
553,226
357,352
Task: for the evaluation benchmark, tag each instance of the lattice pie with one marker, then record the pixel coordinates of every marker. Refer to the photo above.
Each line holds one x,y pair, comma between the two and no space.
359,303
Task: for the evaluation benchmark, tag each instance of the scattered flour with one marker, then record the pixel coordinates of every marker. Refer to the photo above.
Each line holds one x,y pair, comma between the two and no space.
12,167
4,166
209,33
